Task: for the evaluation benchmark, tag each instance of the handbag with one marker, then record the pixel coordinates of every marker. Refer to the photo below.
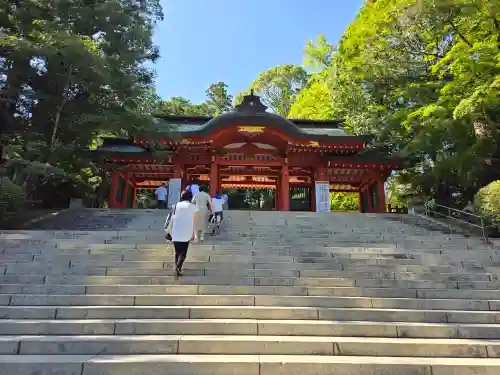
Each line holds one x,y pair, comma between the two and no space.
169,223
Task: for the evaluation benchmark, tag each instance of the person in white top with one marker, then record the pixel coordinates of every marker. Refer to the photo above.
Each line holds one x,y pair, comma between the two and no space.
184,221
161,196
218,207
226,202
204,203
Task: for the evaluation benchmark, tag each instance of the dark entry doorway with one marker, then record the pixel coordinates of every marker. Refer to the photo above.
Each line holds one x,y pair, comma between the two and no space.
300,199
251,199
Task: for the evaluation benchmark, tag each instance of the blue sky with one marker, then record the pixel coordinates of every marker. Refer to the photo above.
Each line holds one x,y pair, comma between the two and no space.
206,41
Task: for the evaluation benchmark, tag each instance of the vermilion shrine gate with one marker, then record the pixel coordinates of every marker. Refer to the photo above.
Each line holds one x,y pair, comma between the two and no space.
249,148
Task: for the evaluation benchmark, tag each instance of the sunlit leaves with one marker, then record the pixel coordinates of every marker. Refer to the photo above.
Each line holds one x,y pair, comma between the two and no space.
278,87
422,76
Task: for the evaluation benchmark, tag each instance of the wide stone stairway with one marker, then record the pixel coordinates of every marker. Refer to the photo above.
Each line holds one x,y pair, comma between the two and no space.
274,294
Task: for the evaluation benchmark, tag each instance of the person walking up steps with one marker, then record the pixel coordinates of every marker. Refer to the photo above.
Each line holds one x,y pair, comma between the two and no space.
218,207
184,221
161,196
203,201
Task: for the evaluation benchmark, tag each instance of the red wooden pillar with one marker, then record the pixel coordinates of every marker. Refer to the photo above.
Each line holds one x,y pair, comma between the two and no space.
313,197
214,177
179,173
112,203
369,195
134,202
381,196
360,200
277,204
277,197
285,189
321,174
126,187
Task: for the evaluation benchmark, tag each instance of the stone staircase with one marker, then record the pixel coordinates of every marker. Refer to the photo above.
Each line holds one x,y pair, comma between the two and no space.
274,294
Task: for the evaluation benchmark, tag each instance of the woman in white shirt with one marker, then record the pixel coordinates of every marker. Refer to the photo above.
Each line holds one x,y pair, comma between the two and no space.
184,221
203,201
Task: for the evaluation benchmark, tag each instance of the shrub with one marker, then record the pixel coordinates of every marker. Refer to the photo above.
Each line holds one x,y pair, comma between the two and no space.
487,202
12,198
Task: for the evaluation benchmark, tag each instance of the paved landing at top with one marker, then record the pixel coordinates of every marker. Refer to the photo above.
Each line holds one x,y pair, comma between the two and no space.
95,220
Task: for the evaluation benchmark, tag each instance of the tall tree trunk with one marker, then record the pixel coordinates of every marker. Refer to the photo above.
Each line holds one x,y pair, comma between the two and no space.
60,108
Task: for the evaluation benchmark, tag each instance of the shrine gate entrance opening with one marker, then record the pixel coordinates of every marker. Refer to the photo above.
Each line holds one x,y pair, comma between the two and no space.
301,161
262,199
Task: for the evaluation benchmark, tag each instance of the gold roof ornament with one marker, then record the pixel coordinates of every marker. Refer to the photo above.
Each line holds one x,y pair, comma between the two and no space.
251,129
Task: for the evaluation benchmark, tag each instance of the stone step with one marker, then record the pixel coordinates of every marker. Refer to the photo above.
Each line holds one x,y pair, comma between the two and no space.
51,265
81,284
324,244
195,289
109,260
248,312
165,276
279,263
249,327
254,255
296,267
352,251
76,246
262,236
304,264
254,345
248,300
166,286
242,365
102,268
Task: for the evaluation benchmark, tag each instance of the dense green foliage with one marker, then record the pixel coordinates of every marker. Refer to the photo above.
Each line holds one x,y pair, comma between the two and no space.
278,87
315,100
423,76
218,101
344,201
70,71
487,201
11,199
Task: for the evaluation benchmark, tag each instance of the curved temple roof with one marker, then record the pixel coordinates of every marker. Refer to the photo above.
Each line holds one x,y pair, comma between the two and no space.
251,112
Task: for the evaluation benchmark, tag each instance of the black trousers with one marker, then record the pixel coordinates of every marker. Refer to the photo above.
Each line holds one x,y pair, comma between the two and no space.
162,204
181,249
217,214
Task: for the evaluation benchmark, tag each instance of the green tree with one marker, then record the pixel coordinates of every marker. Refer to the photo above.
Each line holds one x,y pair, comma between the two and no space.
314,101
278,87
218,101
179,106
340,201
421,76
70,71
319,54
218,98
397,192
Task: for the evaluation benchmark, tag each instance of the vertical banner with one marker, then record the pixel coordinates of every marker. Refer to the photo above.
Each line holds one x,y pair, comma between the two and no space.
322,196
174,191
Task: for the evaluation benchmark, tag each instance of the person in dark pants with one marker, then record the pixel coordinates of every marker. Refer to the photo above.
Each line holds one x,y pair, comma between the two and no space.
183,229
161,196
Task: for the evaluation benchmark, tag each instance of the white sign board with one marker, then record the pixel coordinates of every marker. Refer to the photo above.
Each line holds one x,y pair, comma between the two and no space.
322,197
174,191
